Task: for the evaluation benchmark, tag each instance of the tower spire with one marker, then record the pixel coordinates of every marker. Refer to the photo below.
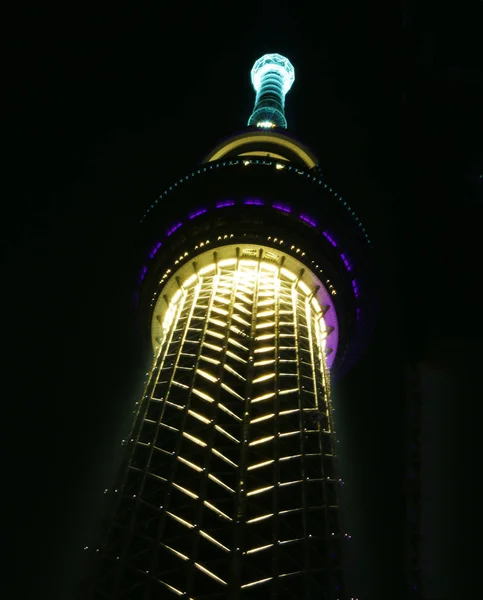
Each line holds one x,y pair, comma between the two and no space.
272,76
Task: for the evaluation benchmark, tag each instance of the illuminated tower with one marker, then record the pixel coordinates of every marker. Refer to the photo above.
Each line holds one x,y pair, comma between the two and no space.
254,297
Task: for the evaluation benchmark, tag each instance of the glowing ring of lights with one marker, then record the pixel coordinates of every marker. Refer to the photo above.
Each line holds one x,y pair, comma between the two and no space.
276,139
269,163
187,275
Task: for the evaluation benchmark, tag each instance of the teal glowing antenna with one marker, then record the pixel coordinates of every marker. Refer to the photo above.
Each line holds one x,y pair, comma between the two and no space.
272,76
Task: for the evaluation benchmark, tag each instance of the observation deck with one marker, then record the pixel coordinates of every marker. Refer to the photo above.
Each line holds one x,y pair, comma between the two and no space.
265,188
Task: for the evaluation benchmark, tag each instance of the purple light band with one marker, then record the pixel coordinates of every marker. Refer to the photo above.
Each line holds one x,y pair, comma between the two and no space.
197,213
326,235
225,203
173,229
142,274
282,207
155,249
356,289
253,201
309,220
346,262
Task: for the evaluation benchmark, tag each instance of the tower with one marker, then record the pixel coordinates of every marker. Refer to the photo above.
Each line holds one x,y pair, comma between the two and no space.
255,297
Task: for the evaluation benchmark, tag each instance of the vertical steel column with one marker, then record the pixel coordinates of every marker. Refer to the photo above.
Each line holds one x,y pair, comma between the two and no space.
276,431
190,568
161,522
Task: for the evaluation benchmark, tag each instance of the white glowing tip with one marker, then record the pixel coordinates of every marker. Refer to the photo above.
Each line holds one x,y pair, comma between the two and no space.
266,124
273,62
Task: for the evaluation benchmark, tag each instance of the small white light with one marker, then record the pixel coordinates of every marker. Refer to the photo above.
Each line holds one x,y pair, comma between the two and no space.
266,124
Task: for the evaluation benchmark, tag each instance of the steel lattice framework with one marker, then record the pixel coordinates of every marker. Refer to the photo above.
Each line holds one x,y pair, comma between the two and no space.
230,485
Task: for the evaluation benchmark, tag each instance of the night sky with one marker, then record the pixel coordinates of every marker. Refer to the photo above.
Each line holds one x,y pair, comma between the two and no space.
106,107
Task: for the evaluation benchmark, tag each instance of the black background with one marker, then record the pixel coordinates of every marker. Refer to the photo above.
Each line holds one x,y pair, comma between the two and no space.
106,105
